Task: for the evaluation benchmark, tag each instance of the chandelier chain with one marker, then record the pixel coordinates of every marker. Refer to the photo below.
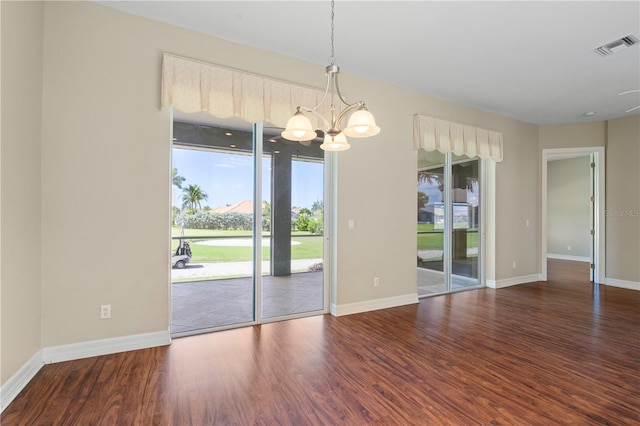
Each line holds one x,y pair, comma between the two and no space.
361,123
332,58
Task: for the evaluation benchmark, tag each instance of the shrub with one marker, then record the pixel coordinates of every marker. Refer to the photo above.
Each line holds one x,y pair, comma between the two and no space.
316,226
316,267
219,221
302,223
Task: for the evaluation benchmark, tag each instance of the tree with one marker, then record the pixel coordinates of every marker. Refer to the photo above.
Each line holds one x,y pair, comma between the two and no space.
432,179
192,196
266,216
175,212
423,199
303,220
316,226
317,205
177,179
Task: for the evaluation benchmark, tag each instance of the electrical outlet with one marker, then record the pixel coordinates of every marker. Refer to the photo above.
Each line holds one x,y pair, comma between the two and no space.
376,281
105,311
514,264
569,248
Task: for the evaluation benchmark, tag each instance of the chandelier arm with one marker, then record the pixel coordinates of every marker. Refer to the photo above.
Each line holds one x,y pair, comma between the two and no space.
354,106
313,111
338,90
326,92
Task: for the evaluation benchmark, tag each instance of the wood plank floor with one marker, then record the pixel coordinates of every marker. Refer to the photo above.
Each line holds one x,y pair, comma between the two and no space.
563,352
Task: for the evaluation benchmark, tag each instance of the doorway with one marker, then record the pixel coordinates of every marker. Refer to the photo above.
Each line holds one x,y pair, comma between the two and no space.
250,207
592,184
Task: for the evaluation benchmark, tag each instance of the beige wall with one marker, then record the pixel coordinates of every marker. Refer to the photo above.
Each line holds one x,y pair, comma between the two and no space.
568,217
105,176
623,199
20,327
573,135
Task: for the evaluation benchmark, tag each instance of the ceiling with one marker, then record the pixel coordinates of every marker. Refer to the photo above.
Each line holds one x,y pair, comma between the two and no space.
534,61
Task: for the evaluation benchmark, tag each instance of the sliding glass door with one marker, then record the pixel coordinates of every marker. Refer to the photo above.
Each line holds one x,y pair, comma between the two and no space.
465,222
292,281
248,206
449,223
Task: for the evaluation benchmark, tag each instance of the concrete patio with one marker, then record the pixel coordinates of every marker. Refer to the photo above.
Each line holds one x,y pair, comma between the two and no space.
203,305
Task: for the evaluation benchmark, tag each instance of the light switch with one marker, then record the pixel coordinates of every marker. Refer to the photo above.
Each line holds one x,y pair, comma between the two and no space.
351,224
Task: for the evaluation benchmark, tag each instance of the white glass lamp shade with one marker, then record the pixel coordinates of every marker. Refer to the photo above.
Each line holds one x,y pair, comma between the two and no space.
335,143
361,125
299,128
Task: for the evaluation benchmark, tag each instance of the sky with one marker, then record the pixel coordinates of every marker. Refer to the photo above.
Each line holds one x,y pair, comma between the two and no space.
431,190
228,178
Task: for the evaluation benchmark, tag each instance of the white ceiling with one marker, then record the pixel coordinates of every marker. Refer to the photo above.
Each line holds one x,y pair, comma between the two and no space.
533,61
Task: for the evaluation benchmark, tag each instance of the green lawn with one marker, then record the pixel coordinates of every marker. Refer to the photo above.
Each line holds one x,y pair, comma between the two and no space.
435,240
310,247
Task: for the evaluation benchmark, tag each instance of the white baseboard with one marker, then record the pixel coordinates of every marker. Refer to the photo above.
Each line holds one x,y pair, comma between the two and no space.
18,381
614,282
372,305
105,346
508,282
53,354
585,259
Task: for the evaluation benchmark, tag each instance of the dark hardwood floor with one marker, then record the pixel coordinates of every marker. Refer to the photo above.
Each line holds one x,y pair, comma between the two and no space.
564,352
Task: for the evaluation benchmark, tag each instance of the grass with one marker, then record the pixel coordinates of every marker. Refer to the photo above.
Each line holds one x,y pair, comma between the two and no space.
435,239
310,247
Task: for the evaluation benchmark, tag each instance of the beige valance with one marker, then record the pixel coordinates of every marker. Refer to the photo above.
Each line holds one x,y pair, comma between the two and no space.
191,86
433,134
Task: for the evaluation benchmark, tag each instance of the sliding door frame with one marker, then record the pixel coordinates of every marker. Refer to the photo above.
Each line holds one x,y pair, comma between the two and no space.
447,168
329,249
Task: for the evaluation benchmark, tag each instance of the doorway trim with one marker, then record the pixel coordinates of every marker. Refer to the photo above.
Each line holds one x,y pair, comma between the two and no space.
599,207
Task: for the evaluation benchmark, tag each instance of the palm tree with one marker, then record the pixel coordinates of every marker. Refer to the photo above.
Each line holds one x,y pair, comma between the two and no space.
177,179
192,196
317,205
434,179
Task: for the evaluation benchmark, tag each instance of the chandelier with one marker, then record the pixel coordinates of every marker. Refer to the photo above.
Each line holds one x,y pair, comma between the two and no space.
361,123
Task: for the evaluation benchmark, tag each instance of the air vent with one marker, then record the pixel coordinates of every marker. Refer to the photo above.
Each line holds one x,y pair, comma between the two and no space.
617,45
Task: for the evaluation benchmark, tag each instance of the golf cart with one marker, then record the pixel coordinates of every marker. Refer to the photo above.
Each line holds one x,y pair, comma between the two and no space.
182,256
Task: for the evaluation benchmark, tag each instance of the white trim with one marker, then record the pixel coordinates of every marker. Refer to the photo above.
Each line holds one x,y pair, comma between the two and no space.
18,381
508,282
105,346
600,232
482,241
373,305
630,285
567,257
330,275
257,133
